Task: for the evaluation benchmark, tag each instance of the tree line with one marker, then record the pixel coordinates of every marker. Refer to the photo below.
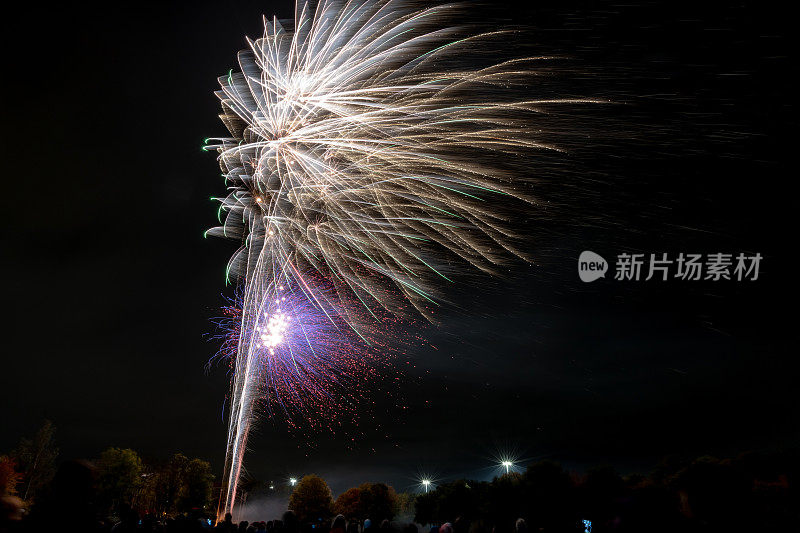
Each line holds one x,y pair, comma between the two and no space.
122,480
752,491
312,501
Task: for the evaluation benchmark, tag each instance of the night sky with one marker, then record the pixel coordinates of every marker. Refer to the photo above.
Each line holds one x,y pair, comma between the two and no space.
109,285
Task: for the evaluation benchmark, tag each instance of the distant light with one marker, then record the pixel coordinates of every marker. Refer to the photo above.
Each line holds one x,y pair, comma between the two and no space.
426,483
507,464
292,481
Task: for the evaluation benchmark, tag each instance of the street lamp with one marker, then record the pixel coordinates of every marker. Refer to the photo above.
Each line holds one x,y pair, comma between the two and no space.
507,464
292,481
426,483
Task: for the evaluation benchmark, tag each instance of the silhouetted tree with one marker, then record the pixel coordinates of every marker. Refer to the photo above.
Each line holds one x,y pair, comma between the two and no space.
349,504
180,485
649,506
467,499
146,500
172,480
715,493
405,504
311,499
425,507
506,500
549,499
459,498
36,459
600,494
198,483
119,477
378,501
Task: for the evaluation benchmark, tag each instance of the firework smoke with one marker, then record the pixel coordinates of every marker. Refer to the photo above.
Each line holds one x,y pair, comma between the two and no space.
358,170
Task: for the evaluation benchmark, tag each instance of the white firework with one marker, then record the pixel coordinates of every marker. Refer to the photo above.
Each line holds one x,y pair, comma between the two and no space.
356,154
364,149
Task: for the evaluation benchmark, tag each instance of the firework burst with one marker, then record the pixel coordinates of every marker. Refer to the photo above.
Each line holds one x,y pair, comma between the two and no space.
358,171
313,368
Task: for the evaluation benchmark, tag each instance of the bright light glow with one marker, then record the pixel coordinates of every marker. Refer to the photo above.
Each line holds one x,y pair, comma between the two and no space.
292,481
272,334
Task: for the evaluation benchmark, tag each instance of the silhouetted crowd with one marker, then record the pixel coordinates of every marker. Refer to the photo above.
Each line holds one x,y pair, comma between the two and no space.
130,521
290,524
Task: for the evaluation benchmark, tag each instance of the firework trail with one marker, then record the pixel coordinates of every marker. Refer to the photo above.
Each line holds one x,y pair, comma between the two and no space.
358,169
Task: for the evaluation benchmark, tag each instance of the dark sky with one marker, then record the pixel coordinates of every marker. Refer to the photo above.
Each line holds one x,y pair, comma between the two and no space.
109,284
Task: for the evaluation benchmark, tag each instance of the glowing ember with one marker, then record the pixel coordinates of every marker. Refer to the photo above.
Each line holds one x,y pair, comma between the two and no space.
273,333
